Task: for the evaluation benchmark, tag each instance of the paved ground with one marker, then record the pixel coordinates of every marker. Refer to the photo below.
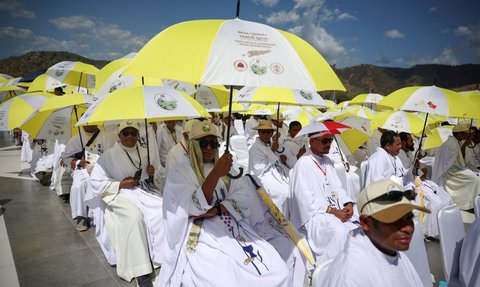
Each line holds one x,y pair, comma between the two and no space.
48,250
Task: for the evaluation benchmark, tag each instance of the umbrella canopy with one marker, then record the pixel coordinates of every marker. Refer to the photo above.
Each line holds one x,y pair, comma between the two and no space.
431,99
213,98
16,110
145,102
437,137
351,139
5,77
74,73
369,98
44,83
234,52
299,114
315,127
279,95
236,108
399,121
331,105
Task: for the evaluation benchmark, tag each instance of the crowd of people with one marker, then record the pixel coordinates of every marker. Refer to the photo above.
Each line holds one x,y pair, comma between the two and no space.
163,195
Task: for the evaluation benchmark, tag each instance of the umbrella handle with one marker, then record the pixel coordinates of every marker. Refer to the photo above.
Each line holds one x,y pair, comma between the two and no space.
238,175
282,150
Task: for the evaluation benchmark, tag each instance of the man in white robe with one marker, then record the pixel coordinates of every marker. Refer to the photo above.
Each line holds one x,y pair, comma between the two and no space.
266,165
294,146
179,151
168,135
133,214
373,255
450,171
351,180
317,204
250,124
209,238
472,153
385,163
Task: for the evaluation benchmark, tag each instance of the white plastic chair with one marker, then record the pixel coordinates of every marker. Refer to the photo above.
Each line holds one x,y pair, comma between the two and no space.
476,206
363,171
417,253
451,231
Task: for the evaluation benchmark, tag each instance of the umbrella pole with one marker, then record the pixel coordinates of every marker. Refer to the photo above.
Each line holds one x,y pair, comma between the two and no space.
79,133
278,121
79,82
237,13
420,143
148,148
227,142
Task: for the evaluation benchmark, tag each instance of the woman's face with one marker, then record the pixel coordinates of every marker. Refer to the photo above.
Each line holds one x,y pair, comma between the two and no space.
209,146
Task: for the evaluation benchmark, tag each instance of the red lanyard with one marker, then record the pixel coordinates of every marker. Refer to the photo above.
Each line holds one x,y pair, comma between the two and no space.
186,152
324,171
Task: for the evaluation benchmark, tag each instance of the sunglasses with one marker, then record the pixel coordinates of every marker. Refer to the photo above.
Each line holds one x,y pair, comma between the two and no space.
132,133
393,196
326,140
266,131
205,142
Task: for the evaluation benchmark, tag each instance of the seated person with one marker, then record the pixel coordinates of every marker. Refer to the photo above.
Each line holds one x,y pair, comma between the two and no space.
373,254
206,229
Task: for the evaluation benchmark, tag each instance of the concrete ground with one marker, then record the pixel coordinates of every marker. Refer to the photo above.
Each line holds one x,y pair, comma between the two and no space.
47,250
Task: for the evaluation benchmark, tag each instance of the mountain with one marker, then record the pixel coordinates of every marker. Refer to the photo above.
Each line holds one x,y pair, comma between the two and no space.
357,79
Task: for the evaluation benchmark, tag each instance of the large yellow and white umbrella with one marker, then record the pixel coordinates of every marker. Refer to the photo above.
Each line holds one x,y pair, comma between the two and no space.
5,77
350,140
369,98
44,83
399,121
213,98
74,73
9,89
57,117
151,103
299,114
437,137
16,110
356,111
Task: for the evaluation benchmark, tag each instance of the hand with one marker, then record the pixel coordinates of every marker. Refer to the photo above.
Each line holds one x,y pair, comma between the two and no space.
283,158
212,212
276,136
301,151
275,146
223,165
83,163
150,170
340,214
128,183
348,208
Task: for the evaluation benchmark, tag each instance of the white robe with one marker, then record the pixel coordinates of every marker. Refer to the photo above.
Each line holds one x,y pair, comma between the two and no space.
218,257
362,264
274,175
176,155
382,165
311,193
472,158
450,171
373,143
250,133
26,153
292,147
351,182
166,141
133,217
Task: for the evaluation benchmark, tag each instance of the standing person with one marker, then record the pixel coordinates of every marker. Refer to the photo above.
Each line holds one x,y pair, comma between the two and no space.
385,163
294,147
450,170
472,152
373,255
317,204
206,228
179,151
266,165
133,214
168,135
250,124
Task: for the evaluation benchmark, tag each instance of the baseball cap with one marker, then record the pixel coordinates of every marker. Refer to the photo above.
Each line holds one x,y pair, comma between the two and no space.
128,123
386,201
202,129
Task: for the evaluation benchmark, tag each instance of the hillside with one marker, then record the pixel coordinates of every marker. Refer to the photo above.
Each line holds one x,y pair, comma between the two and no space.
357,79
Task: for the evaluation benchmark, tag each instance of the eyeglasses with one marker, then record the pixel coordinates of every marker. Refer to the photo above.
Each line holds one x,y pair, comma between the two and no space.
266,131
132,133
325,140
393,196
205,142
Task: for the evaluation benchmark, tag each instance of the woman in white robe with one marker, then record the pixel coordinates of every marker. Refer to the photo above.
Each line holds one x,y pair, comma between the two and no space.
209,241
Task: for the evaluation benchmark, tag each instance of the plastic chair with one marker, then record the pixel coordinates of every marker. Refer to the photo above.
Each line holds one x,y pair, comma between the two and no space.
476,206
239,146
417,253
451,231
363,171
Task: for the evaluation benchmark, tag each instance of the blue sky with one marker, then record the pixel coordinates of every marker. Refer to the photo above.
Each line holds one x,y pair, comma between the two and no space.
394,33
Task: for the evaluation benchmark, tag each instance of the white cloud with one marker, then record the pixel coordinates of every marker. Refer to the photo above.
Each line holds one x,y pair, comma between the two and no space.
346,16
326,44
15,9
382,59
394,34
282,17
266,3
113,35
15,32
432,9
447,57
75,24
471,34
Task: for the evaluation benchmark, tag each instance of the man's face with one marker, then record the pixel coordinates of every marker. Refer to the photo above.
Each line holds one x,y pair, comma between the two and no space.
408,145
389,237
321,145
209,147
170,125
294,130
128,137
265,135
90,129
394,148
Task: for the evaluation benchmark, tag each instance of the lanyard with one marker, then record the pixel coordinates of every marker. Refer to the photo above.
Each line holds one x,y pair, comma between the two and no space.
324,171
131,160
184,148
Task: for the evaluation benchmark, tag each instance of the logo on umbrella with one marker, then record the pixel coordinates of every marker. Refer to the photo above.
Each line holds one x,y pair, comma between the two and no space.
276,68
431,105
165,101
259,67
306,95
117,85
240,65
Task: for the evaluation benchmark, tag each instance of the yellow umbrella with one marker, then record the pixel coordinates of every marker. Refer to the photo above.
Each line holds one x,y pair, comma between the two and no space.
399,121
351,139
369,98
213,98
437,137
356,111
44,83
279,95
5,77
236,108
331,105
150,103
16,110
74,73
